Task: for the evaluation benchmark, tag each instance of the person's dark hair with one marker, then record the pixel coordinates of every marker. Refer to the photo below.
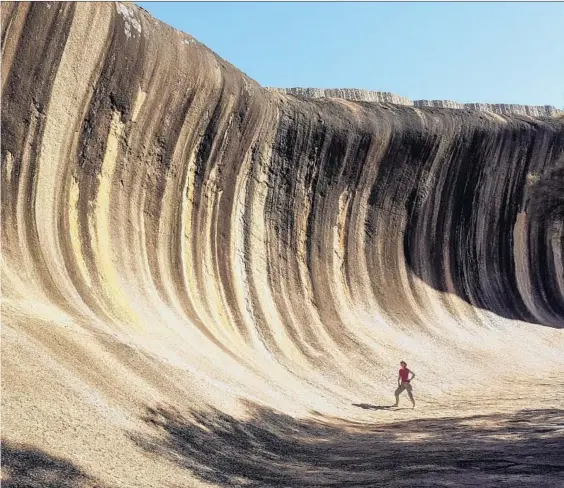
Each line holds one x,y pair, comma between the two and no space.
403,362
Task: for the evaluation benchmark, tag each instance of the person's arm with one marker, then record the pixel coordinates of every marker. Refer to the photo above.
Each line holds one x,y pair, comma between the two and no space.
412,375
399,380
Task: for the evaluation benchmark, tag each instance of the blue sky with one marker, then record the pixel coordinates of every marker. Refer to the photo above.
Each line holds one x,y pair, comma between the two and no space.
468,52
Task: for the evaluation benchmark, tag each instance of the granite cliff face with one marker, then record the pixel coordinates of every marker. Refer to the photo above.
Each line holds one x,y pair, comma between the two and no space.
359,95
175,234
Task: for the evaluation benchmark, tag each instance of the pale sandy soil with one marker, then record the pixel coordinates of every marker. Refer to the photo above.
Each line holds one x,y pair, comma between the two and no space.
508,434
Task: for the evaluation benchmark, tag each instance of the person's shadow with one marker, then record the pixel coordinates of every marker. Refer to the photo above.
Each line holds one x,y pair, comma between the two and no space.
367,406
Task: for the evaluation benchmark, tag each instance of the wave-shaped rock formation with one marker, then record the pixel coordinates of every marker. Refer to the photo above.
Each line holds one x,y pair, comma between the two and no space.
361,95
207,282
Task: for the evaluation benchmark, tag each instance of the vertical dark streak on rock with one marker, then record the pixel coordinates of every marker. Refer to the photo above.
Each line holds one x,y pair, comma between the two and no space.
111,92
295,195
166,139
204,164
29,82
546,222
248,115
24,104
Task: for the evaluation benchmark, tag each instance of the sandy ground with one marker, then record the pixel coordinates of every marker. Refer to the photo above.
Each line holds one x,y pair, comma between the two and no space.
510,433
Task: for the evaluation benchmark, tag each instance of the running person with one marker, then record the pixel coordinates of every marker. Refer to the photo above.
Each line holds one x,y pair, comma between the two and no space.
404,383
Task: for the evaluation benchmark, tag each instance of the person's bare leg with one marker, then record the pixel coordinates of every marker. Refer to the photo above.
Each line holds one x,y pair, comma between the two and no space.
399,389
410,394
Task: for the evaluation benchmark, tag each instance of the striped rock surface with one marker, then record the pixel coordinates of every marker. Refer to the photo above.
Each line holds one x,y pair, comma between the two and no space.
203,280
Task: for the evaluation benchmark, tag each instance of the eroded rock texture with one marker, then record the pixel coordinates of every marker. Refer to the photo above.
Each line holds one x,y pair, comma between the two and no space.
361,95
174,233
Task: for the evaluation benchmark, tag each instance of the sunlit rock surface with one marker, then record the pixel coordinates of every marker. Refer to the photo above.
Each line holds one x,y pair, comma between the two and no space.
347,94
360,95
205,282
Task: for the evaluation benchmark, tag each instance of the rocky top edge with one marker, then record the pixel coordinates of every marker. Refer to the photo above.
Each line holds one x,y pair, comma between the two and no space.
362,95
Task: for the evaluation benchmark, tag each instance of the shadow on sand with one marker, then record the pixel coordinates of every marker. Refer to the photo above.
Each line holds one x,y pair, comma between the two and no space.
368,406
271,449
32,468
